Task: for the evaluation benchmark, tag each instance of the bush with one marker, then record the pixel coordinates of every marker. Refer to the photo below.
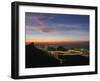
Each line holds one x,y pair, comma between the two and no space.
60,48
51,49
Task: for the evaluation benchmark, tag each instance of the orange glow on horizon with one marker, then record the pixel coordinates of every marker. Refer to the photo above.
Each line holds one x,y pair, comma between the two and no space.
52,40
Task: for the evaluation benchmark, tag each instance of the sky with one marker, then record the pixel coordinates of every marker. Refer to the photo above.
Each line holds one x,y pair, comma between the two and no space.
56,28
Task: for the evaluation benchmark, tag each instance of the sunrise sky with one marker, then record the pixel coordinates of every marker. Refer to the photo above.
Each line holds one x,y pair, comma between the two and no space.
56,28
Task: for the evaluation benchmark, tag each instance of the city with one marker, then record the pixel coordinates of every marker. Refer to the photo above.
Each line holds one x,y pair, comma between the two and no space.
62,51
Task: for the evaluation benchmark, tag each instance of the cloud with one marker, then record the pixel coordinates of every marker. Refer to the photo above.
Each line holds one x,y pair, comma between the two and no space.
78,29
37,23
37,19
43,24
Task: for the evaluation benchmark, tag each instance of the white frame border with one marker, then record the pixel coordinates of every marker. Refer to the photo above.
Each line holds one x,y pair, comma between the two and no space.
53,70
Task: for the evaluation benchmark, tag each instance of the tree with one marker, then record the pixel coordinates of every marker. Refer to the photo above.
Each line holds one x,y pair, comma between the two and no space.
51,49
60,48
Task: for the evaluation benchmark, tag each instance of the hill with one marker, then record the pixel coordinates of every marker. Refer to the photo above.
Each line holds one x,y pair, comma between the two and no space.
38,58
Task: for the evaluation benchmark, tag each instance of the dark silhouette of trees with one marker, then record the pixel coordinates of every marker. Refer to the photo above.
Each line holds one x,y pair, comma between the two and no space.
51,48
60,48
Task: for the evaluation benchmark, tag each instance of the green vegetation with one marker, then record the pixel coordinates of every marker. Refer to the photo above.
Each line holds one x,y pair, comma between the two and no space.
51,48
61,48
77,49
